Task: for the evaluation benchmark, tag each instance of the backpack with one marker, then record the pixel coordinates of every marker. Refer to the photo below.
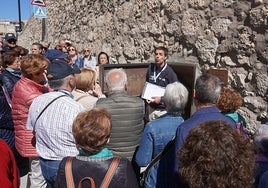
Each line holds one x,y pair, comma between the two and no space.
105,183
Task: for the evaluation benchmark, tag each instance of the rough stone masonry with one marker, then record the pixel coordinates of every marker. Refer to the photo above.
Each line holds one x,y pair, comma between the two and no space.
223,34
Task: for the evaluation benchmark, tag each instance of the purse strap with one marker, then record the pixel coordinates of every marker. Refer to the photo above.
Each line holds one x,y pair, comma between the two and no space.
90,179
159,156
6,94
110,173
68,173
45,109
106,181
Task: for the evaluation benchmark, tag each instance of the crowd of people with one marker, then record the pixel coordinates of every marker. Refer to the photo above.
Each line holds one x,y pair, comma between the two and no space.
58,128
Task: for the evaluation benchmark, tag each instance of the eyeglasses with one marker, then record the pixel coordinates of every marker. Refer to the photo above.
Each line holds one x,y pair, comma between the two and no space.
86,50
71,49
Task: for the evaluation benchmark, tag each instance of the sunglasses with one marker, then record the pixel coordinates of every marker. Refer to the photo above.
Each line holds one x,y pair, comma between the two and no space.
86,50
71,49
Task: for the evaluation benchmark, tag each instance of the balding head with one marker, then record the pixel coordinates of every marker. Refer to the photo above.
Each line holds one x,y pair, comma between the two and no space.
116,80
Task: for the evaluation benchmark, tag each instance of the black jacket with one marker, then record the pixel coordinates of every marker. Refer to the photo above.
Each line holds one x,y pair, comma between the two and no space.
96,168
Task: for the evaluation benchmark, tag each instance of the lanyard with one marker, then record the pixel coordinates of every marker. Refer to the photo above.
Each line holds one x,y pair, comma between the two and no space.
156,76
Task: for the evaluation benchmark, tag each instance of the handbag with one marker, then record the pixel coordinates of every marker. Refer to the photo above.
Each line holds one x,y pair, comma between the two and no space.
155,160
105,183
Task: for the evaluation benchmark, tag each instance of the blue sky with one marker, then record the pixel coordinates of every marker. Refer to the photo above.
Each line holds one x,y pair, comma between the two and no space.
9,9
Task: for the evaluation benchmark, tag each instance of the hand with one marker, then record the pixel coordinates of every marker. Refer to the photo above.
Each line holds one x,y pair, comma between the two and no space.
97,90
156,100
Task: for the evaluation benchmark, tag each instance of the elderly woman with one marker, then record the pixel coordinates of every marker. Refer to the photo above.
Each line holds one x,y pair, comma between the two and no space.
91,130
213,155
261,141
8,78
228,103
159,132
73,55
31,85
87,91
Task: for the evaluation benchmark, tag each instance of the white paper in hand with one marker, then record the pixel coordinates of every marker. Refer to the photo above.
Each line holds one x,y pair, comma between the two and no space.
152,90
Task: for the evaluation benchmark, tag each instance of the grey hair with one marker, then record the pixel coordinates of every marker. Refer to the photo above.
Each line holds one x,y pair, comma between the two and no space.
208,88
118,83
260,136
175,98
58,84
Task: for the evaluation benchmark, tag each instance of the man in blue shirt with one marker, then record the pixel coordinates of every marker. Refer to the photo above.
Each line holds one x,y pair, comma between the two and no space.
161,74
206,93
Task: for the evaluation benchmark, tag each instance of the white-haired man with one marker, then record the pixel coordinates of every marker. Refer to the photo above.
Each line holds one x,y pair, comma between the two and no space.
127,114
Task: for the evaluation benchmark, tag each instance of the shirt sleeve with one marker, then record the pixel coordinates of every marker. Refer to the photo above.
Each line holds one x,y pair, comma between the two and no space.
29,123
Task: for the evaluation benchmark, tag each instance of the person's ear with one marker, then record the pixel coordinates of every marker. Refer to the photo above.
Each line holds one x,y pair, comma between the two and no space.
72,80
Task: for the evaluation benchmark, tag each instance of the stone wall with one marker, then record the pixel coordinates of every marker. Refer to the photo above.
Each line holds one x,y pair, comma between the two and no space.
231,34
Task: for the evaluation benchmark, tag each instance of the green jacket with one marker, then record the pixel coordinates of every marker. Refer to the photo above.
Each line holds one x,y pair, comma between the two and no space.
127,114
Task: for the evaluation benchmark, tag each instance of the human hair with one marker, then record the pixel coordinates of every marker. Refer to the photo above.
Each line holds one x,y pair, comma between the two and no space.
8,58
91,130
229,101
116,79
175,98
58,47
163,49
72,46
33,64
39,46
261,138
45,44
208,89
58,84
215,156
107,56
85,80
20,50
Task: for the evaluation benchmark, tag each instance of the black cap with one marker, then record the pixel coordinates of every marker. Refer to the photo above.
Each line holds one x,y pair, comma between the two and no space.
59,69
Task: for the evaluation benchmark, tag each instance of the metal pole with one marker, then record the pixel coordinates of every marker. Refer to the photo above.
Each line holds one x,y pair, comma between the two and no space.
19,15
44,29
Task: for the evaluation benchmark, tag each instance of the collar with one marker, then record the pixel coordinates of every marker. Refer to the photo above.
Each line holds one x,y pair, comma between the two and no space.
65,92
103,153
207,109
261,158
14,72
118,92
160,68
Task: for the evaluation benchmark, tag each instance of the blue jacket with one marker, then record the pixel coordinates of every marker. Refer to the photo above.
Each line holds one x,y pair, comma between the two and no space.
261,168
155,137
200,116
79,62
8,79
264,180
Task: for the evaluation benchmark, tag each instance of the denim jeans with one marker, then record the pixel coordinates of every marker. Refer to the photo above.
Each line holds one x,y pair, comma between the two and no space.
49,170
